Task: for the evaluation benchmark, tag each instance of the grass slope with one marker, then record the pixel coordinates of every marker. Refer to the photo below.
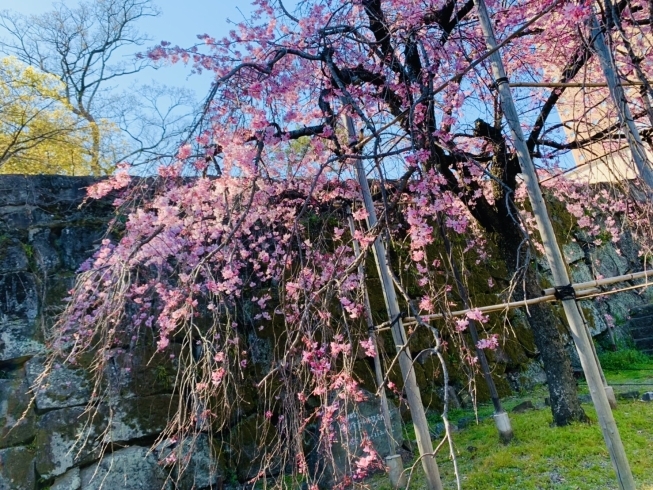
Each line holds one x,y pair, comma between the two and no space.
545,457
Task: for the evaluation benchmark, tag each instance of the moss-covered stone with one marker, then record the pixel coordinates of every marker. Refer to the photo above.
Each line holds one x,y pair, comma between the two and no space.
482,391
17,417
66,438
203,467
364,373
17,469
135,465
247,446
18,312
12,255
134,418
64,386
143,371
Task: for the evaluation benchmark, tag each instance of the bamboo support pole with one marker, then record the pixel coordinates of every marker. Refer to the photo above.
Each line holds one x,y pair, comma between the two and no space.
583,289
569,84
549,298
393,461
501,418
619,99
609,392
556,262
413,396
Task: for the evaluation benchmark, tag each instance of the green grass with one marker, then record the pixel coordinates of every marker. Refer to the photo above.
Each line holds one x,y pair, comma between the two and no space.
546,457
623,359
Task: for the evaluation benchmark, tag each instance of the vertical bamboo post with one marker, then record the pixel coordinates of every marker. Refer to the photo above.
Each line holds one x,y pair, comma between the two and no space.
501,418
609,392
413,395
557,263
619,99
393,461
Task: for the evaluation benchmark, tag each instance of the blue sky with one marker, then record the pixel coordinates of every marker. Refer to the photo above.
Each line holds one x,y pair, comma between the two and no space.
179,23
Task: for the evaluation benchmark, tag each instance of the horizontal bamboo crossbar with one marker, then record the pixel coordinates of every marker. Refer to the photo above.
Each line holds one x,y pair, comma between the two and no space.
606,281
582,290
569,84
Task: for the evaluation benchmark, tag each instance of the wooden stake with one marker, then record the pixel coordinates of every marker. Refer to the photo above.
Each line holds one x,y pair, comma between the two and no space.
557,263
413,395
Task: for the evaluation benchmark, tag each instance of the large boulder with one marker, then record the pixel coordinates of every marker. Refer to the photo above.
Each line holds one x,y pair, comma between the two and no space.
66,438
63,387
135,418
71,437
44,252
12,255
193,462
70,480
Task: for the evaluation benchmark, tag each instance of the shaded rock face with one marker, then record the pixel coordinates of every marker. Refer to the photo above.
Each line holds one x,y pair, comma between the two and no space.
17,426
17,469
364,421
65,388
199,469
18,312
133,468
51,441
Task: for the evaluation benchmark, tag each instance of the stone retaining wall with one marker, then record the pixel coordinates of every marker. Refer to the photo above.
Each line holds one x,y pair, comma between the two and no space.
52,443
44,237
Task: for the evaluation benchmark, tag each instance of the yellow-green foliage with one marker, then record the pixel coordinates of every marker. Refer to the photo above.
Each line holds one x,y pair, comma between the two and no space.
39,131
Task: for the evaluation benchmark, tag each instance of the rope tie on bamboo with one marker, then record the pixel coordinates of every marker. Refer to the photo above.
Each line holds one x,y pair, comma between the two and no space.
563,293
400,315
498,82
387,325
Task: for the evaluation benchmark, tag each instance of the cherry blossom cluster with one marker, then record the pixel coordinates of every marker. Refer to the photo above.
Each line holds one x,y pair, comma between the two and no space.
245,238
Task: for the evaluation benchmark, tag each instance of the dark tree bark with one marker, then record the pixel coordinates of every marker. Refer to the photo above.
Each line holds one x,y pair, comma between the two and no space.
563,391
496,219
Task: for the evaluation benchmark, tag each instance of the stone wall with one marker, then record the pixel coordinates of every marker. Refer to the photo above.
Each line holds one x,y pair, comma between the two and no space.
53,442
608,317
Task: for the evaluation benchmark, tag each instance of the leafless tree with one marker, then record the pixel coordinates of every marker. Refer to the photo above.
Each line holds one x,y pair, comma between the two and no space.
153,119
80,46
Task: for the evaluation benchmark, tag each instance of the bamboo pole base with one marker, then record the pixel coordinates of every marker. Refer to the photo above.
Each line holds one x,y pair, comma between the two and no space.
612,400
396,471
502,421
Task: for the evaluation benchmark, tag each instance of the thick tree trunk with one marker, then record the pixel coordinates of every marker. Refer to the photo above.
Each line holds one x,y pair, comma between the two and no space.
95,167
95,151
563,391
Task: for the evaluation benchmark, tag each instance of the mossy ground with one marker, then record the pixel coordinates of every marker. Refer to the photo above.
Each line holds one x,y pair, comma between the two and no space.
545,457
